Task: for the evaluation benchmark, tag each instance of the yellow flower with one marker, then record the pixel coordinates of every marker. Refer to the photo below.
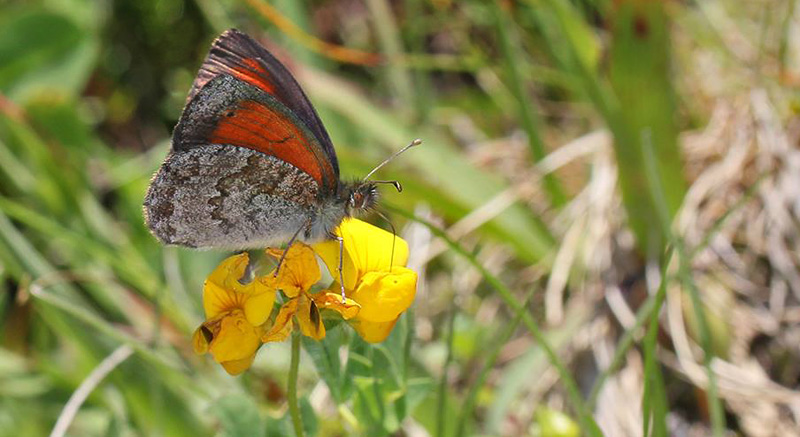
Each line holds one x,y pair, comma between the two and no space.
298,273
375,277
235,314
377,285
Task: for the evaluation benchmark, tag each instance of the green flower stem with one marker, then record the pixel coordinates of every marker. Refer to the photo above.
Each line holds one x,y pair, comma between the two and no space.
294,406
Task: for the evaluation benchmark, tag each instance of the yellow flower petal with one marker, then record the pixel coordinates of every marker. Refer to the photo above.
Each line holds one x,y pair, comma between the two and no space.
258,305
279,334
283,323
221,289
235,367
229,271
329,252
373,332
229,338
333,301
218,300
309,319
204,335
222,292
366,248
200,339
299,271
384,295
372,245
235,340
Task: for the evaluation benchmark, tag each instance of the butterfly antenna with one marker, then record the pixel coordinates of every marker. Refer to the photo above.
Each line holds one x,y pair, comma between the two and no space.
395,184
394,237
416,142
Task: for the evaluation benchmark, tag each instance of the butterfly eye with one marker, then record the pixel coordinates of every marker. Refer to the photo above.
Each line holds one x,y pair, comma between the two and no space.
230,114
356,200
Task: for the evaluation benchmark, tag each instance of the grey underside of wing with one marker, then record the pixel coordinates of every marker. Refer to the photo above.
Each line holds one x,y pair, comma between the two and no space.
218,196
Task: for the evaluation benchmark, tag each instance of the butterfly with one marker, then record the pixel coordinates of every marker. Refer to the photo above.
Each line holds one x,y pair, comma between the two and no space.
251,164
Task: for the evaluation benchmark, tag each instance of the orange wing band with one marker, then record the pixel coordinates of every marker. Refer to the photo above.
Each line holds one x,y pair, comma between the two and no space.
256,127
255,75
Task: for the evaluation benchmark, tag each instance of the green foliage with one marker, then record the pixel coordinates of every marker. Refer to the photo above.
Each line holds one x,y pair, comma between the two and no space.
42,52
325,355
238,416
377,377
89,92
640,66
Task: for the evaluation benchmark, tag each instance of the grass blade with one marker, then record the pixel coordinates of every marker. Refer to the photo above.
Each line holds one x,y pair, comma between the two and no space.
512,55
441,397
467,408
640,66
684,271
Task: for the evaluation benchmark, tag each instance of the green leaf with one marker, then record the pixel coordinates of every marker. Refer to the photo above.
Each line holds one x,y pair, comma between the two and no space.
325,355
310,422
577,33
417,389
426,411
60,118
640,66
279,427
43,51
366,405
384,396
378,389
238,416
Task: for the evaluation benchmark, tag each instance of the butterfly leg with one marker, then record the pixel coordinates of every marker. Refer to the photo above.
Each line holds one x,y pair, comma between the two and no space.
341,262
289,246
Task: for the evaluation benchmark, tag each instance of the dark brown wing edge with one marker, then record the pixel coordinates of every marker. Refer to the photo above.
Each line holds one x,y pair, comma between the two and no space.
237,54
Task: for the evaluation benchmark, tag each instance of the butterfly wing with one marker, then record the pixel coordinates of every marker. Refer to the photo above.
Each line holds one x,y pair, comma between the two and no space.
236,54
244,171
229,111
217,196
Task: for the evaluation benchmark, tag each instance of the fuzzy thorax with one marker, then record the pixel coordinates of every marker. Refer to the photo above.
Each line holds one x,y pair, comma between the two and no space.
352,199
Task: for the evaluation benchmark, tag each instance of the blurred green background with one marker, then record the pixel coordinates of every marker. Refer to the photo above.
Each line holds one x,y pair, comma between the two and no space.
560,141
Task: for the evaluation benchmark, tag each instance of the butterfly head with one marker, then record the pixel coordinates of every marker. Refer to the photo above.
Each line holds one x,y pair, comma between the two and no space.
363,196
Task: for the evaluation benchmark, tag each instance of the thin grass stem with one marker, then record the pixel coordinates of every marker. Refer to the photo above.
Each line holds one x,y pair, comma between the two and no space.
468,407
86,388
441,397
294,405
648,309
332,51
512,55
684,271
654,383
